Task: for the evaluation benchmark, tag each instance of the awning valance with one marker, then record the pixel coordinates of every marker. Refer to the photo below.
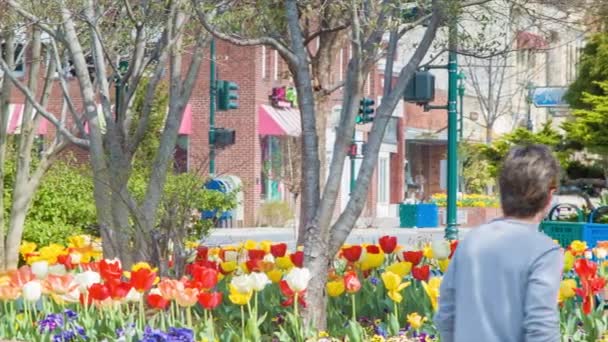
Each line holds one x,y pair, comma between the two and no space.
279,121
15,119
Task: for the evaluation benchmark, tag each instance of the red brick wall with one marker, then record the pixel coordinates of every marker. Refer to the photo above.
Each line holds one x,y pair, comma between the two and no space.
435,120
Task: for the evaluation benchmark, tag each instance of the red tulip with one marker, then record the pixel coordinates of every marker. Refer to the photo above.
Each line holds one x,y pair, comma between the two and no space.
352,253
453,246
413,257
297,259
421,273
254,265
290,294
372,249
99,292
388,244
351,282
118,290
143,279
585,268
591,283
204,277
65,260
256,254
110,270
278,250
202,253
157,301
210,300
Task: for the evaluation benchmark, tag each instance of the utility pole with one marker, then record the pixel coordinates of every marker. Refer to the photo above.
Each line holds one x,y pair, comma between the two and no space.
451,230
212,94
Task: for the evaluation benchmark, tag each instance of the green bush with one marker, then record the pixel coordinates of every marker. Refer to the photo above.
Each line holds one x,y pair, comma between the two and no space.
275,213
63,205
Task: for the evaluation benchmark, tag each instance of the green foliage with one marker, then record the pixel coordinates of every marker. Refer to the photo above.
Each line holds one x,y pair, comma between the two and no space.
476,170
496,152
578,170
63,205
589,126
593,68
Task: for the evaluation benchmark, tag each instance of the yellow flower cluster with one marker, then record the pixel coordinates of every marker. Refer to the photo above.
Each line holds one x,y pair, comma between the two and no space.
80,249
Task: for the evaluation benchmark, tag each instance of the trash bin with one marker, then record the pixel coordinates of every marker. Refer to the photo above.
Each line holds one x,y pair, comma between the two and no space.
595,232
564,231
423,215
221,186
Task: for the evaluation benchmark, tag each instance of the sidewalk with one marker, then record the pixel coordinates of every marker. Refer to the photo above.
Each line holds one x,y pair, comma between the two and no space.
409,237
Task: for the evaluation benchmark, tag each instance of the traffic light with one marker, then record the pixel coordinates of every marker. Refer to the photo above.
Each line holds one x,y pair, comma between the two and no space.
227,95
352,150
421,88
366,111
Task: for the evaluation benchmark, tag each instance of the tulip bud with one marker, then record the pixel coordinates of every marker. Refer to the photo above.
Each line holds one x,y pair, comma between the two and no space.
441,249
298,279
259,281
32,291
40,269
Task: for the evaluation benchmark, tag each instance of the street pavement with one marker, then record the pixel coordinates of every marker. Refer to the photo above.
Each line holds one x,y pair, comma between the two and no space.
408,237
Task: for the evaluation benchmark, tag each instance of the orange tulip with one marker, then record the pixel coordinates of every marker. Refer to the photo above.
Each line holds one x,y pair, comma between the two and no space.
9,292
169,288
187,298
61,288
21,276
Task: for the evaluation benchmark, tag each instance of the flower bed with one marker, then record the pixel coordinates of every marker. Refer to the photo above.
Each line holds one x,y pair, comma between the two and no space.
468,201
255,292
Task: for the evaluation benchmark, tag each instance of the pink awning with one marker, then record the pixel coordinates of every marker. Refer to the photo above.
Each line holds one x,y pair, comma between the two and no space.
185,128
16,119
279,121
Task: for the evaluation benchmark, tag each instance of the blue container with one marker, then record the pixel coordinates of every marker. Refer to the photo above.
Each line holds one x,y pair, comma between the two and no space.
595,232
218,185
427,215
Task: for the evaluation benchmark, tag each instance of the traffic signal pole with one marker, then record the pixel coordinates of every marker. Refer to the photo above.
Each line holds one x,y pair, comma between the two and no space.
451,230
212,94
353,174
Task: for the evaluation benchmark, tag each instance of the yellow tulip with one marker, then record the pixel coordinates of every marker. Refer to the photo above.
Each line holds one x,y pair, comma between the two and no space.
432,290
79,241
143,265
27,248
415,320
265,246
568,261
335,288
393,284
284,263
371,261
428,251
400,268
566,289
443,265
578,247
249,245
275,275
239,298
51,252
229,266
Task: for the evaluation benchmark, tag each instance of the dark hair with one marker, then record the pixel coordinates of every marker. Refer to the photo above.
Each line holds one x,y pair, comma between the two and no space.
528,175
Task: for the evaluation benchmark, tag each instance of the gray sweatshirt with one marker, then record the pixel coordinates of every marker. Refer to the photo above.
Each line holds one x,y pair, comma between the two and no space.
501,286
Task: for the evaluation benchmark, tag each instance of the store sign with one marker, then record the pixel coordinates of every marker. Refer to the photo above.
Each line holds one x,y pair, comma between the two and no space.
284,97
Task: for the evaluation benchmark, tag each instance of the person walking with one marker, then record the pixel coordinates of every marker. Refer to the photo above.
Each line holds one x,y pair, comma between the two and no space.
503,281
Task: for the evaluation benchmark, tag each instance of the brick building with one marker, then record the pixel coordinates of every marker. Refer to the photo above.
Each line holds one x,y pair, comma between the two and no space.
261,129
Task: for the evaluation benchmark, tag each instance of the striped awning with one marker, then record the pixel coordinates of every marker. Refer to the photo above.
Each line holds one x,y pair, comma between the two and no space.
15,119
279,121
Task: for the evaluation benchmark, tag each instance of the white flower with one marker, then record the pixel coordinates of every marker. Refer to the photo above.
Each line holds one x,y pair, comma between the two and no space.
259,281
32,291
40,269
75,258
58,269
601,253
441,249
133,296
269,258
86,279
298,279
588,255
242,283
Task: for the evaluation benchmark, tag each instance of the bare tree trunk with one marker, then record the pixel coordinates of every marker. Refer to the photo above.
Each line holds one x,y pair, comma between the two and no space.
489,133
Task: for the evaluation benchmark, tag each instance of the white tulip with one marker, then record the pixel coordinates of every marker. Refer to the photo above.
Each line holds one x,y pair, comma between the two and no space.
242,283
601,253
40,269
58,270
32,291
269,258
86,279
441,249
133,296
259,281
588,255
75,258
298,279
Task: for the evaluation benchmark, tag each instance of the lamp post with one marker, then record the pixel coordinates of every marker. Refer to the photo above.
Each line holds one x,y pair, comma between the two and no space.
461,78
451,230
212,94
